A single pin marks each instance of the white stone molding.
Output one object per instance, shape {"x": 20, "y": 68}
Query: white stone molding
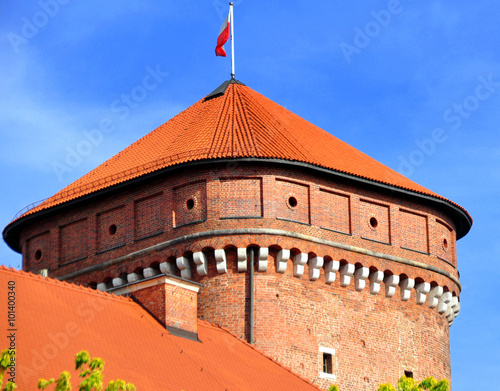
{"x": 376, "y": 279}
{"x": 262, "y": 259}
{"x": 330, "y": 269}
{"x": 133, "y": 277}
{"x": 391, "y": 282}
{"x": 434, "y": 295}
{"x": 167, "y": 268}
{"x": 346, "y": 272}
{"x": 150, "y": 272}
{"x": 315, "y": 265}
{"x": 298, "y": 264}
{"x": 102, "y": 286}
{"x": 360, "y": 276}
{"x": 183, "y": 265}
{"x": 220, "y": 258}
{"x": 200, "y": 260}
{"x": 421, "y": 291}
{"x": 406, "y": 286}
{"x": 119, "y": 281}
{"x": 242, "y": 259}
{"x": 282, "y": 260}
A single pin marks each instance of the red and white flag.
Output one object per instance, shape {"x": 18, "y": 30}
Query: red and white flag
{"x": 223, "y": 37}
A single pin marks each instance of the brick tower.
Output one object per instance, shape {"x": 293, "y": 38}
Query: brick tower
{"x": 241, "y": 213}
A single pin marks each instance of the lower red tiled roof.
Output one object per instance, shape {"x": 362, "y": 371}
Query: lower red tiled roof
{"x": 54, "y": 320}
{"x": 238, "y": 123}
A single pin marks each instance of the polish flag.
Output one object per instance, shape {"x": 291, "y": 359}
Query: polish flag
{"x": 223, "y": 37}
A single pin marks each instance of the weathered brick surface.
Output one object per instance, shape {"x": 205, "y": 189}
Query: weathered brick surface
{"x": 375, "y": 338}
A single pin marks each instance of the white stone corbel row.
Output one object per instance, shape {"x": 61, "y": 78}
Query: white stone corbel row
{"x": 330, "y": 269}
{"x": 445, "y": 302}
{"x": 406, "y": 286}
{"x": 282, "y": 260}
{"x": 262, "y": 255}
{"x": 346, "y": 272}
{"x": 183, "y": 265}
{"x": 421, "y": 291}
{"x": 242, "y": 259}
{"x": 315, "y": 265}
{"x": 220, "y": 258}
{"x": 376, "y": 278}
{"x": 360, "y": 276}
{"x": 200, "y": 260}
{"x": 298, "y": 264}
{"x": 391, "y": 282}
{"x": 434, "y": 294}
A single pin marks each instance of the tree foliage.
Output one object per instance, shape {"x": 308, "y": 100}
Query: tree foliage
{"x": 408, "y": 384}
{"x": 91, "y": 374}
{"x": 6, "y": 358}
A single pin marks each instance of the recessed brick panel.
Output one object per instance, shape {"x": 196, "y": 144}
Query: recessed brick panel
{"x": 374, "y": 222}
{"x": 413, "y": 231}
{"x": 149, "y": 216}
{"x": 73, "y": 239}
{"x": 241, "y": 197}
{"x": 292, "y": 201}
{"x": 111, "y": 229}
{"x": 335, "y": 211}
{"x": 190, "y": 203}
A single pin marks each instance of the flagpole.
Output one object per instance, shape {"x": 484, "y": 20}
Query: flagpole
{"x": 232, "y": 39}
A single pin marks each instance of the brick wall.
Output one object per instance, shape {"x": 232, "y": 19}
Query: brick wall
{"x": 375, "y": 338}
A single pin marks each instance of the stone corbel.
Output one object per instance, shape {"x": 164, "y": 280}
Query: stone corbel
{"x": 281, "y": 260}
{"x": 376, "y": 279}
{"x": 330, "y": 269}
{"x": 262, "y": 259}
{"x": 298, "y": 264}
{"x": 346, "y": 272}
{"x": 434, "y": 295}
{"x": 242, "y": 260}
{"x": 360, "y": 276}
{"x": 406, "y": 286}
{"x": 200, "y": 260}
{"x": 391, "y": 282}
{"x": 421, "y": 291}
{"x": 183, "y": 265}
{"x": 315, "y": 265}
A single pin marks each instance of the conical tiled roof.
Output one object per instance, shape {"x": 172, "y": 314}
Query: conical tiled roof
{"x": 234, "y": 122}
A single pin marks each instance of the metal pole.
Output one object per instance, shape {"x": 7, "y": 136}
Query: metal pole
{"x": 250, "y": 304}
{"x": 232, "y": 39}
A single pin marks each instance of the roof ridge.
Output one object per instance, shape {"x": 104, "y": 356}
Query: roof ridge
{"x": 65, "y": 284}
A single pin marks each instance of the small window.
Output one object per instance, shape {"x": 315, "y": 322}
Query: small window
{"x": 327, "y": 355}
{"x": 409, "y": 374}
{"x": 327, "y": 363}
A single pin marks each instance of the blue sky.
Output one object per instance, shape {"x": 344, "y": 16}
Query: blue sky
{"x": 416, "y": 85}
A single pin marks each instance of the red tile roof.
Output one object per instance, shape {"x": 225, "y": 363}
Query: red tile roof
{"x": 54, "y": 320}
{"x": 238, "y": 123}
